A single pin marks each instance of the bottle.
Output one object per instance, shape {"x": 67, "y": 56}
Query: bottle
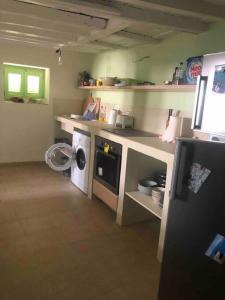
{"x": 169, "y": 115}
{"x": 102, "y": 113}
{"x": 181, "y": 73}
{"x": 176, "y": 76}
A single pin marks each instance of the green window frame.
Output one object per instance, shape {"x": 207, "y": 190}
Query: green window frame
{"x": 24, "y": 73}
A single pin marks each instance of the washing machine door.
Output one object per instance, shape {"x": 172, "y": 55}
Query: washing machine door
{"x": 60, "y": 156}
{"x": 81, "y": 159}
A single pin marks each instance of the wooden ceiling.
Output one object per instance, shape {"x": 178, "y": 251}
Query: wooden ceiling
{"x": 93, "y": 26}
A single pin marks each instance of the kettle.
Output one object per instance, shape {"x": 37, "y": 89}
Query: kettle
{"x": 125, "y": 121}
{"x": 113, "y": 116}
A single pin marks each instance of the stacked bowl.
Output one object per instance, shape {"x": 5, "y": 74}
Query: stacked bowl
{"x": 158, "y": 195}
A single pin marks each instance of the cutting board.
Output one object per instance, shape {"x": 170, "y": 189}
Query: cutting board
{"x": 89, "y": 100}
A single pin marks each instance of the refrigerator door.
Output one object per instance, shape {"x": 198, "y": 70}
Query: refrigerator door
{"x": 213, "y": 120}
{"x": 195, "y": 219}
{"x": 60, "y": 156}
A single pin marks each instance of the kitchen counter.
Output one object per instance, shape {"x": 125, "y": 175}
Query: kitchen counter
{"x": 151, "y": 147}
{"x": 89, "y": 126}
{"x": 163, "y": 151}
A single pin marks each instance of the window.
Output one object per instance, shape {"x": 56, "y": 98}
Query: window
{"x": 24, "y": 82}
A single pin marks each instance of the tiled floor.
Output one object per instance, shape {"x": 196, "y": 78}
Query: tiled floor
{"x": 57, "y": 244}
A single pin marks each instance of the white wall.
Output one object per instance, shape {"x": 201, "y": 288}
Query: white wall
{"x": 27, "y": 130}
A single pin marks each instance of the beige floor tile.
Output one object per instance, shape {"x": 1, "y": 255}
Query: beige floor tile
{"x": 57, "y": 244}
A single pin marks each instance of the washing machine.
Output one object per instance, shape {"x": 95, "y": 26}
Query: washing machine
{"x": 80, "y": 165}
{"x": 62, "y": 156}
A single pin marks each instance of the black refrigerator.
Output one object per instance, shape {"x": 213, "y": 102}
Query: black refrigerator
{"x": 193, "y": 265}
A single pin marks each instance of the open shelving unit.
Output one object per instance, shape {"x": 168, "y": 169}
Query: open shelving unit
{"x": 146, "y": 88}
{"x": 139, "y": 207}
{"x": 146, "y": 202}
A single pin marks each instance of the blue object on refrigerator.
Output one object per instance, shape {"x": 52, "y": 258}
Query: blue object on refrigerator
{"x": 193, "y": 69}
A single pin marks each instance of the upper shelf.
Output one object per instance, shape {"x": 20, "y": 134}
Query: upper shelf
{"x": 147, "y": 88}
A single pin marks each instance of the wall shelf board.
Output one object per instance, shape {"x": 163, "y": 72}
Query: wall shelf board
{"x": 141, "y": 88}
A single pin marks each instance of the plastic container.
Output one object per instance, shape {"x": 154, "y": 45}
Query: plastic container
{"x": 66, "y": 173}
{"x": 158, "y": 195}
{"x": 112, "y": 116}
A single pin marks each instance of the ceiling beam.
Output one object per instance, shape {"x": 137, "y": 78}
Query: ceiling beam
{"x": 48, "y": 14}
{"x": 31, "y": 35}
{"x": 116, "y": 9}
{"x": 178, "y": 23}
{"x": 17, "y": 34}
{"x": 47, "y": 44}
{"x": 136, "y": 36}
{"x": 29, "y": 22}
{"x": 31, "y": 41}
{"x": 200, "y": 8}
{"x": 37, "y": 14}
{"x": 114, "y": 25}
{"x": 85, "y": 7}
{"x": 98, "y": 18}
{"x": 19, "y": 30}
{"x": 149, "y": 15}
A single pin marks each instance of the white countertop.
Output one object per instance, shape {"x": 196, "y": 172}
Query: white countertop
{"x": 151, "y": 146}
{"x": 83, "y": 125}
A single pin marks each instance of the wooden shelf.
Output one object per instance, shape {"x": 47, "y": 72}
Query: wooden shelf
{"x": 146, "y": 202}
{"x": 147, "y": 88}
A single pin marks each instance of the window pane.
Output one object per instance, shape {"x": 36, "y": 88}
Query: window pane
{"x": 33, "y": 83}
{"x": 14, "y": 82}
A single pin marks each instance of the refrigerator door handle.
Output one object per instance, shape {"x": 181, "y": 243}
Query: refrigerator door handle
{"x": 199, "y": 102}
{"x": 178, "y": 173}
{"x": 181, "y": 168}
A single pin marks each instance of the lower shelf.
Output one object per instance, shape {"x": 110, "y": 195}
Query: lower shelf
{"x": 146, "y": 202}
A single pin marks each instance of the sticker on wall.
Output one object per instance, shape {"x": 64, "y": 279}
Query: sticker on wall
{"x": 216, "y": 250}
{"x": 198, "y": 175}
{"x": 100, "y": 171}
